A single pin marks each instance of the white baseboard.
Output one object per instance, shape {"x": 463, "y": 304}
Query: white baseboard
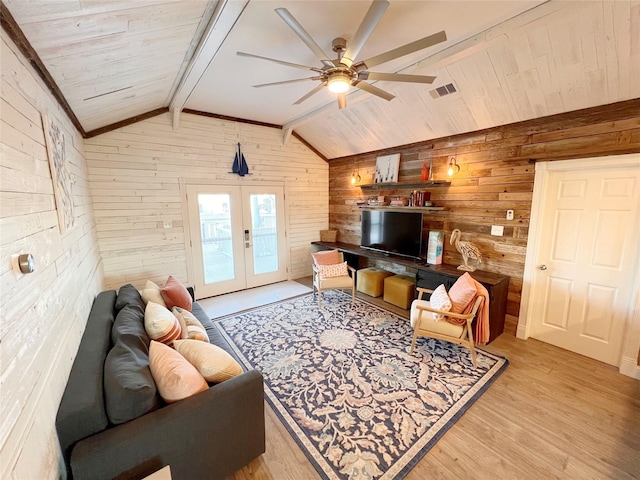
{"x": 521, "y": 332}
{"x": 630, "y": 367}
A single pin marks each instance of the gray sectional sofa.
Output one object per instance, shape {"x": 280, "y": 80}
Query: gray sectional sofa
{"x": 209, "y": 435}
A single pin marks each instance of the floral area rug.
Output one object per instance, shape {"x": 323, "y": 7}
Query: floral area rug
{"x": 341, "y": 379}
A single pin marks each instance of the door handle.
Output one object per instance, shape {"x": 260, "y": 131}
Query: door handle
{"x": 542, "y": 267}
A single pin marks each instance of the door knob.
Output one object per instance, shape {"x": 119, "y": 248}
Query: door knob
{"x": 542, "y": 267}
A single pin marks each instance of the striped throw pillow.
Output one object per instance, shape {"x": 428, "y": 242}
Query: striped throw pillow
{"x": 191, "y": 326}
{"x": 213, "y": 363}
{"x": 161, "y": 325}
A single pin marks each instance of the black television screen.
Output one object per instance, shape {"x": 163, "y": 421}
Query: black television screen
{"x": 397, "y": 233}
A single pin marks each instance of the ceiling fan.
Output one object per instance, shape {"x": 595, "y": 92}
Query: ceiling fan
{"x": 343, "y": 72}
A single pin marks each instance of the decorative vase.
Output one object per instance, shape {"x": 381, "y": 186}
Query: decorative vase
{"x": 424, "y": 176}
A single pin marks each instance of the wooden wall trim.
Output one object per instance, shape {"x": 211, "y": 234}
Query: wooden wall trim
{"x": 16, "y": 34}
{"x": 308, "y": 145}
{"x": 128, "y": 121}
{"x": 231, "y": 119}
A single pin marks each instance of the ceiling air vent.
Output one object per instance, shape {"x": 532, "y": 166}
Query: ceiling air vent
{"x": 444, "y": 90}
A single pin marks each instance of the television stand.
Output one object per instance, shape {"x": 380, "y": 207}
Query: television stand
{"x": 430, "y": 276}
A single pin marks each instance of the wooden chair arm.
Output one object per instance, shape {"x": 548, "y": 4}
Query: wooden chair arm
{"x": 423, "y": 290}
{"x": 468, "y": 316}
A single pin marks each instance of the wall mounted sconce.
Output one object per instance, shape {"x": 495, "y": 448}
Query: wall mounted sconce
{"x": 23, "y": 263}
{"x": 355, "y": 177}
{"x": 453, "y": 166}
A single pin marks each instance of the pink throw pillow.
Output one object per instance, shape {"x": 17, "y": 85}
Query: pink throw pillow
{"x": 175, "y": 377}
{"x": 327, "y": 257}
{"x": 175, "y": 294}
{"x": 462, "y": 293}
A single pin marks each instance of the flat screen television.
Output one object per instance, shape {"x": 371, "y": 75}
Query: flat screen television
{"x": 392, "y": 232}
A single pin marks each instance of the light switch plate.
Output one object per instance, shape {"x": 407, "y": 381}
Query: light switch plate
{"x": 509, "y": 214}
{"x": 497, "y": 230}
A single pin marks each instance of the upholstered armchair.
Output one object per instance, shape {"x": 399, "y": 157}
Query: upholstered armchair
{"x": 330, "y": 271}
{"x": 449, "y": 317}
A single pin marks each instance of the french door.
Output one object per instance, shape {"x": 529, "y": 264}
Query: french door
{"x": 237, "y": 237}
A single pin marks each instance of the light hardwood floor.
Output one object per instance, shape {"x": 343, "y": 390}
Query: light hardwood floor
{"x": 551, "y": 414}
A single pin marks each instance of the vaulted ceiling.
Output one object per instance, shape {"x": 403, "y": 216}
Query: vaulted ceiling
{"x": 508, "y": 61}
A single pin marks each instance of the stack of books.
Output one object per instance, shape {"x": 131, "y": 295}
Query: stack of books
{"x": 399, "y": 201}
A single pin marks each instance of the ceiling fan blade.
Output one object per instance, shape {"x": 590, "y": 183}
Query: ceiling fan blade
{"x": 396, "y": 77}
{"x": 284, "y": 82}
{"x": 342, "y": 101}
{"x": 367, "y": 87}
{"x": 369, "y": 22}
{"x": 406, "y": 49}
{"x": 281, "y": 62}
{"x": 304, "y": 36}
{"x": 312, "y": 92}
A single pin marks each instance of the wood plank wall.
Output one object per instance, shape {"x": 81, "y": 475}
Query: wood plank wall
{"x": 135, "y": 174}
{"x": 44, "y": 313}
{"x": 496, "y": 174}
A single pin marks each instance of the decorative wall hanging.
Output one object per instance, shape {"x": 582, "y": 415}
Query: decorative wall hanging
{"x": 60, "y": 175}
{"x": 387, "y": 168}
{"x": 240, "y": 163}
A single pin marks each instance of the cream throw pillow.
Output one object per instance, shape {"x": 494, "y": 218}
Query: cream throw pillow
{"x": 175, "y": 377}
{"x": 160, "y": 324}
{"x": 440, "y": 301}
{"x": 152, "y": 293}
{"x": 213, "y": 363}
{"x": 191, "y": 326}
{"x": 337, "y": 270}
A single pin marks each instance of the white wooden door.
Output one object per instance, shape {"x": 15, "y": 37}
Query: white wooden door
{"x": 237, "y": 237}
{"x": 586, "y": 263}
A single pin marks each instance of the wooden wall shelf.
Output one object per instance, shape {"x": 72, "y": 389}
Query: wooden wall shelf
{"x": 398, "y": 185}
{"x": 401, "y": 208}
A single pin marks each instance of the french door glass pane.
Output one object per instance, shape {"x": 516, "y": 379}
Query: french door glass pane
{"x": 217, "y": 245}
{"x": 265, "y": 233}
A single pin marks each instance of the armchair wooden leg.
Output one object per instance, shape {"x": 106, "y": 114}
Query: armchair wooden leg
{"x": 471, "y": 347}
{"x": 413, "y": 342}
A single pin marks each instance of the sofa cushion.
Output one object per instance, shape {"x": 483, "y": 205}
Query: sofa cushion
{"x": 128, "y": 295}
{"x": 129, "y": 388}
{"x": 130, "y": 321}
{"x": 82, "y": 411}
{"x": 213, "y": 363}
{"x": 175, "y": 377}
{"x": 151, "y": 293}
{"x": 175, "y": 294}
{"x": 190, "y": 325}
{"x": 161, "y": 324}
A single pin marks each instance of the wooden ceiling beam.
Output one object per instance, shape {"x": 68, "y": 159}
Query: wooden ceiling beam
{"x": 224, "y": 17}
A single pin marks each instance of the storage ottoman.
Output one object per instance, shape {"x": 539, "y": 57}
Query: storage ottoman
{"x": 371, "y": 281}
{"x": 400, "y": 290}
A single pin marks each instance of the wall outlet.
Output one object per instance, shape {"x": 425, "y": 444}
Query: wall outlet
{"x": 166, "y": 224}
{"x": 509, "y": 214}
{"x": 497, "y": 230}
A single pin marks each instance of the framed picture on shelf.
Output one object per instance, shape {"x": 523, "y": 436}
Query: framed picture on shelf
{"x": 387, "y": 167}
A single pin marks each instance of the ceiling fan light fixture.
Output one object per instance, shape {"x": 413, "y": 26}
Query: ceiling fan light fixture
{"x": 339, "y": 82}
